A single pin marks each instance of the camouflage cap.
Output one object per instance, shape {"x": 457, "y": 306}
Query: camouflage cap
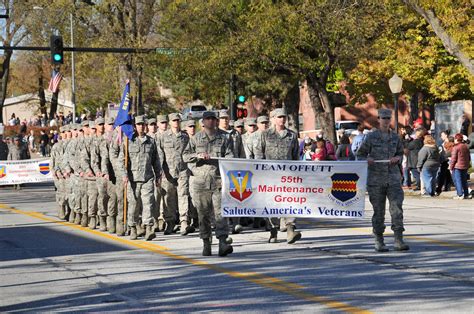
{"x": 85, "y": 123}
{"x": 151, "y": 121}
{"x": 190, "y": 123}
{"x": 262, "y": 119}
{"x": 75, "y": 126}
{"x": 93, "y": 124}
{"x": 140, "y": 120}
{"x": 162, "y": 118}
{"x": 110, "y": 120}
{"x": 174, "y": 116}
{"x": 385, "y": 113}
{"x": 99, "y": 120}
{"x": 239, "y": 123}
{"x": 279, "y": 112}
{"x": 209, "y": 114}
{"x": 250, "y": 121}
{"x": 231, "y": 123}
{"x": 223, "y": 114}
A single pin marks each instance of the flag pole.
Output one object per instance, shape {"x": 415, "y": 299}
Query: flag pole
{"x": 125, "y": 187}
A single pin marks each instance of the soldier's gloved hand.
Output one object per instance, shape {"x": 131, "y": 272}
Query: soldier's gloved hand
{"x": 394, "y": 160}
{"x": 370, "y": 161}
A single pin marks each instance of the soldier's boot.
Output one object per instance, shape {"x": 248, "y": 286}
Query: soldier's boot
{"x": 161, "y": 225}
{"x": 224, "y": 248}
{"x": 150, "y": 233}
{"x": 186, "y": 229}
{"x": 379, "y": 244}
{"x": 84, "y": 220}
{"x": 103, "y": 223}
{"x": 72, "y": 216}
{"x": 133, "y": 233}
{"x": 120, "y": 230}
{"x": 399, "y": 245}
{"x": 195, "y": 223}
{"x": 273, "y": 236}
{"x": 140, "y": 230}
{"x": 291, "y": 235}
{"x": 93, "y": 222}
{"x": 61, "y": 212}
{"x": 169, "y": 228}
{"x": 78, "y": 218}
{"x": 228, "y": 240}
{"x": 206, "y": 248}
{"x": 111, "y": 224}
{"x": 237, "y": 229}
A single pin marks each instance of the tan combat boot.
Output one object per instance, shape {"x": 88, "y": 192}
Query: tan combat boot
{"x": 186, "y": 229}
{"x": 120, "y": 230}
{"x": 72, "y": 216}
{"x": 291, "y": 235}
{"x": 224, "y": 248}
{"x": 84, "y": 220}
{"x": 78, "y": 218}
{"x": 111, "y": 224}
{"x": 273, "y": 235}
{"x": 93, "y": 222}
{"x": 150, "y": 233}
{"x": 61, "y": 212}
{"x": 399, "y": 245}
{"x": 103, "y": 223}
{"x": 206, "y": 248}
{"x": 379, "y": 244}
{"x": 133, "y": 233}
{"x": 140, "y": 230}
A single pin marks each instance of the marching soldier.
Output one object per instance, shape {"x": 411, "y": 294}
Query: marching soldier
{"x": 142, "y": 174}
{"x": 59, "y": 180}
{"x": 90, "y": 182}
{"x": 175, "y": 184}
{"x": 384, "y": 180}
{"x": 247, "y": 138}
{"x": 205, "y": 180}
{"x": 159, "y": 193}
{"x": 115, "y": 168}
{"x": 279, "y": 143}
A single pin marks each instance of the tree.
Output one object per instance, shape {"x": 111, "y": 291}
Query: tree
{"x": 452, "y": 23}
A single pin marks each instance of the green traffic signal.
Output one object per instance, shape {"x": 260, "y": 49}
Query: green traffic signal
{"x": 241, "y": 98}
{"x": 57, "y": 57}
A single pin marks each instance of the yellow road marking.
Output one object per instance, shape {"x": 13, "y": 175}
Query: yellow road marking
{"x": 273, "y": 283}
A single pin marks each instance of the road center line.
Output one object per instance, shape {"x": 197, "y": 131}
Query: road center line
{"x": 273, "y": 283}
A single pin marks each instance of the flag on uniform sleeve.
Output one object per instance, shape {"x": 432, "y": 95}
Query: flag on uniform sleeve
{"x": 124, "y": 119}
{"x": 56, "y": 78}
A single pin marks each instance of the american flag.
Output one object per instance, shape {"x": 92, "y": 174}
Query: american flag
{"x": 56, "y": 78}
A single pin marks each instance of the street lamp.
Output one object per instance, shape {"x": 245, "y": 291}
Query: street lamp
{"x": 395, "y": 84}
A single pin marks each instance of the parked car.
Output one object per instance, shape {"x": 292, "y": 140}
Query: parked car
{"x": 348, "y": 126}
{"x": 193, "y": 112}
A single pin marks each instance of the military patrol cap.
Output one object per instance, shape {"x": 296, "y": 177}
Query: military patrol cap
{"x": 223, "y": 114}
{"x": 209, "y": 114}
{"x": 67, "y": 128}
{"x": 151, "y": 121}
{"x": 75, "y": 126}
{"x": 110, "y": 120}
{"x": 239, "y": 123}
{"x": 385, "y": 113}
{"x": 61, "y": 129}
{"x": 139, "y": 119}
{"x": 93, "y": 124}
{"x": 231, "y": 123}
{"x": 191, "y": 123}
{"x": 279, "y": 112}
{"x": 162, "y": 118}
{"x": 262, "y": 119}
{"x": 250, "y": 121}
{"x": 85, "y": 123}
{"x": 99, "y": 120}
{"x": 174, "y": 116}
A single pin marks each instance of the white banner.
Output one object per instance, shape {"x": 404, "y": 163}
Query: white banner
{"x": 271, "y": 188}
{"x": 25, "y": 171}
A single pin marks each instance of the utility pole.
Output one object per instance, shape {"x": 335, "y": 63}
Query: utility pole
{"x": 73, "y": 73}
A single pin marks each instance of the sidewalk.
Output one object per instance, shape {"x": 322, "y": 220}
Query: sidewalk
{"x": 449, "y": 194}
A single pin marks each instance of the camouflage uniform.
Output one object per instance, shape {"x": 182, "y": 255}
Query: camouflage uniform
{"x": 115, "y": 171}
{"x": 284, "y": 145}
{"x": 384, "y": 181}
{"x": 175, "y": 183}
{"x": 73, "y": 166}
{"x": 90, "y": 181}
{"x": 56, "y": 155}
{"x": 142, "y": 171}
{"x": 98, "y": 162}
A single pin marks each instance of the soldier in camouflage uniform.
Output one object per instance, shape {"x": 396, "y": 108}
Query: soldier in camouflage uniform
{"x": 88, "y": 174}
{"x": 175, "y": 184}
{"x": 279, "y": 143}
{"x": 384, "y": 180}
{"x": 142, "y": 174}
{"x": 56, "y": 155}
{"x": 206, "y": 182}
{"x": 190, "y": 128}
{"x": 99, "y": 162}
{"x": 247, "y": 138}
{"x": 162, "y": 121}
{"x": 224, "y": 125}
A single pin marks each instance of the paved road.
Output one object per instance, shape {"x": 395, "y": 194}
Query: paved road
{"x": 47, "y": 265}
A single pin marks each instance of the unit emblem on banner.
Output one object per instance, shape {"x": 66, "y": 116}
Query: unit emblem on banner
{"x": 44, "y": 168}
{"x": 240, "y": 184}
{"x": 3, "y": 171}
{"x": 344, "y": 186}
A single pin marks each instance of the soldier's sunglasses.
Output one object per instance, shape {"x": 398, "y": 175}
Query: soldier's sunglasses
{"x": 385, "y": 118}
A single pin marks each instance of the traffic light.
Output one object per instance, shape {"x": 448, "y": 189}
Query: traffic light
{"x": 56, "y": 46}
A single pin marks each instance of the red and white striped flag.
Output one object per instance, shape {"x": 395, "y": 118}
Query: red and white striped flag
{"x": 56, "y": 78}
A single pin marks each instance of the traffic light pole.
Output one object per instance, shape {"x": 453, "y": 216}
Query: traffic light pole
{"x": 73, "y": 74}
{"x": 232, "y": 108}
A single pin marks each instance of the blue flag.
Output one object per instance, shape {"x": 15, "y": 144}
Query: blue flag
{"x": 124, "y": 119}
